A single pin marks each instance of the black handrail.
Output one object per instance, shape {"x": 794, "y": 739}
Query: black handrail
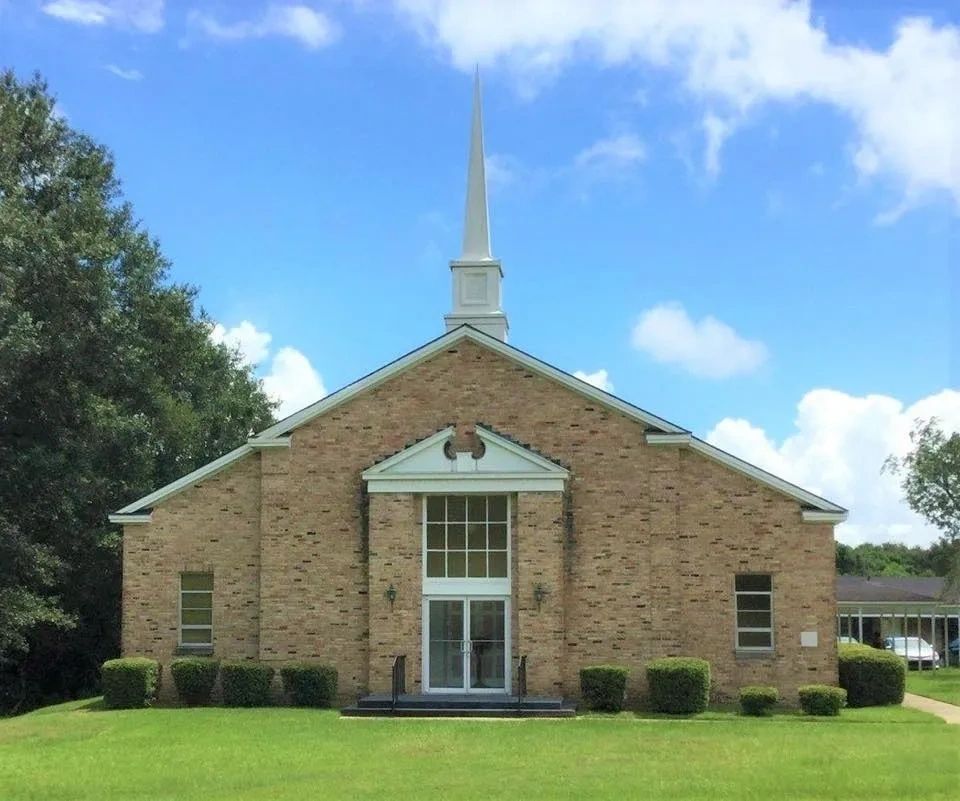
{"x": 521, "y": 680}
{"x": 399, "y": 679}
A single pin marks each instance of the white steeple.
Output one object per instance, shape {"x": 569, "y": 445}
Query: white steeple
{"x": 476, "y": 224}
{"x": 476, "y": 274}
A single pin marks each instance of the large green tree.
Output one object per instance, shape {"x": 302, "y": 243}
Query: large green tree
{"x": 930, "y": 478}
{"x": 109, "y": 387}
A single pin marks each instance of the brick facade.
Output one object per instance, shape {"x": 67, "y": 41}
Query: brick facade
{"x": 637, "y": 557}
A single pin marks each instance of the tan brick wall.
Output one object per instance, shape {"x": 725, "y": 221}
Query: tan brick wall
{"x": 657, "y": 534}
{"x": 211, "y": 527}
{"x": 395, "y": 545}
{"x": 538, "y": 559}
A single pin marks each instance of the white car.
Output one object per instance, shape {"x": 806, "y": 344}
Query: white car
{"x": 843, "y": 640}
{"x": 918, "y": 652}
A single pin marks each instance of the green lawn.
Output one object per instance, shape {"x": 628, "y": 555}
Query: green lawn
{"x": 943, "y": 684}
{"x": 76, "y": 751}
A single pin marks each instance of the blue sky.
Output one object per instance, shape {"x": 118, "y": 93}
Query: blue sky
{"x": 749, "y": 222}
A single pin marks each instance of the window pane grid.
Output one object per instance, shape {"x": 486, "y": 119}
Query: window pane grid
{"x": 754, "y": 611}
{"x": 196, "y": 609}
{"x": 466, "y": 536}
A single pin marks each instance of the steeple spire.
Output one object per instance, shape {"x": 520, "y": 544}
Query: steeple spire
{"x": 476, "y": 226}
{"x": 476, "y": 274}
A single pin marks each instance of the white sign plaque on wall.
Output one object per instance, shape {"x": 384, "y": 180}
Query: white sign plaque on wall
{"x": 808, "y": 639}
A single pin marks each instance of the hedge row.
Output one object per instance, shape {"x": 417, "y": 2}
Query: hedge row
{"x": 130, "y": 683}
{"x": 822, "y": 700}
{"x": 133, "y": 682}
{"x": 678, "y": 685}
{"x": 758, "y": 701}
{"x": 681, "y": 686}
{"x": 870, "y": 676}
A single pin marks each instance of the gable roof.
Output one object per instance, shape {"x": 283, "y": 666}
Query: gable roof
{"x": 277, "y": 434}
{"x": 466, "y": 332}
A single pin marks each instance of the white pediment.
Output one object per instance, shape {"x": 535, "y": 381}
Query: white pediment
{"x": 503, "y": 466}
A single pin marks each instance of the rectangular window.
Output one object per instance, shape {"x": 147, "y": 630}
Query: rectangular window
{"x": 754, "y": 592}
{"x": 196, "y": 609}
{"x": 466, "y": 536}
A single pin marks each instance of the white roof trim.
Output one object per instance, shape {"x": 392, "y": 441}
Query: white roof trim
{"x": 506, "y": 466}
{"x": 670, "y": 433}
{"x": 129, "y": 520}
{"x": 441, "y": 343}
{"x": 824, "y": 511}
{"x": 276, "y": 442}
{"x": 454, "y": 483}
{"x": 817, "y": 516}
{"x": 933, "y": 602}
{"x": 657, "y": 438}
{"x": 406, "y": 453}
{"x": 190, "y": 478}
{"x": 496, "y": 440}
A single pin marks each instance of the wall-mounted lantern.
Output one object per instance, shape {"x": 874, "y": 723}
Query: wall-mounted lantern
{"x": 539, "y": 593}
{"x": 391, "y": 594}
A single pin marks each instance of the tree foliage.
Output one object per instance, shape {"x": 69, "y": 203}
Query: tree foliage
{"x": 893, "y": 559}
{"x": 109, "y": 387}
{"x": 930, "y": 476}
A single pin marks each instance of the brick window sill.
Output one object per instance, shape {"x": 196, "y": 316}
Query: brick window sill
{"x": 193, "y": 650}
{"x": 767, "y": 654}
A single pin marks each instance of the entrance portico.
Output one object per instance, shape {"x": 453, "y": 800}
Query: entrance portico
{"x": 466, "y": 565}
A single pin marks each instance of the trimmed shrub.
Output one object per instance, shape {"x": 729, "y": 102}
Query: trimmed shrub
{"x": 130, "y": 683}
{"x": 822, "y": 700}
{"x": 604, "y": 687}
{"x": 758, "y": 701}
{"x": 870, "y": 676}
{"x": 245, "y": 683}
{"x": 309, "y": 684}
{"x": 679, "y": 685}
{"x": 194, "y": 677}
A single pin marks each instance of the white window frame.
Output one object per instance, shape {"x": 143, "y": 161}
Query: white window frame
{"x": 181, "y": 626}
{"x": 466, "y": 586}
{"x": 737, "y": 628}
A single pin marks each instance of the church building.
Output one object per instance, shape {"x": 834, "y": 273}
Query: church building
{"x": 468, "y": 505}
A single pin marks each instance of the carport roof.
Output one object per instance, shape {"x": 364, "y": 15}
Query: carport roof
{"x": 889, "y": 588}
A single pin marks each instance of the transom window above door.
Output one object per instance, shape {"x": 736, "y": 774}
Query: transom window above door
{"x": 467, "y": 536}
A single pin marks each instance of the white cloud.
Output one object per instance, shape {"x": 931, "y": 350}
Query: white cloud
{"x": 837, "y": 450}
{"x": 253, "y": 344}
{"x": 141, "y": 15}
{"x": 126, "y": 74}
{"x": 306, "y": 25}
{"x": 613, "y": 153}
{"x": 501, "y": 169}
{"x": 734, "y": 57}
{"x": 293, "y": 382}
{"x": 706, "y": 348}
{"x": 598, "y": 378}
{"x": 716, "y": 130}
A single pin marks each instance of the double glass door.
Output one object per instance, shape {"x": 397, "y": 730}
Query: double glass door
{"x": 467, "y": 645}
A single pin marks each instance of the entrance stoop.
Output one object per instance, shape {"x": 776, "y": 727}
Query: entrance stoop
{"x": 461, "y": 705}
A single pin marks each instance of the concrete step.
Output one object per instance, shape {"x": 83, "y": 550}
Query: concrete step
{"x": 460, "y": 705}
{"x": 457, "y": 712}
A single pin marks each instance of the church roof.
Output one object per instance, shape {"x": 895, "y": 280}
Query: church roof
{"x": 659, "y": 431}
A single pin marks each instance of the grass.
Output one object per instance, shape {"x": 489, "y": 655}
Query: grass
{"x": 943, "y": 684}
{"x": 77, "y": 751}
